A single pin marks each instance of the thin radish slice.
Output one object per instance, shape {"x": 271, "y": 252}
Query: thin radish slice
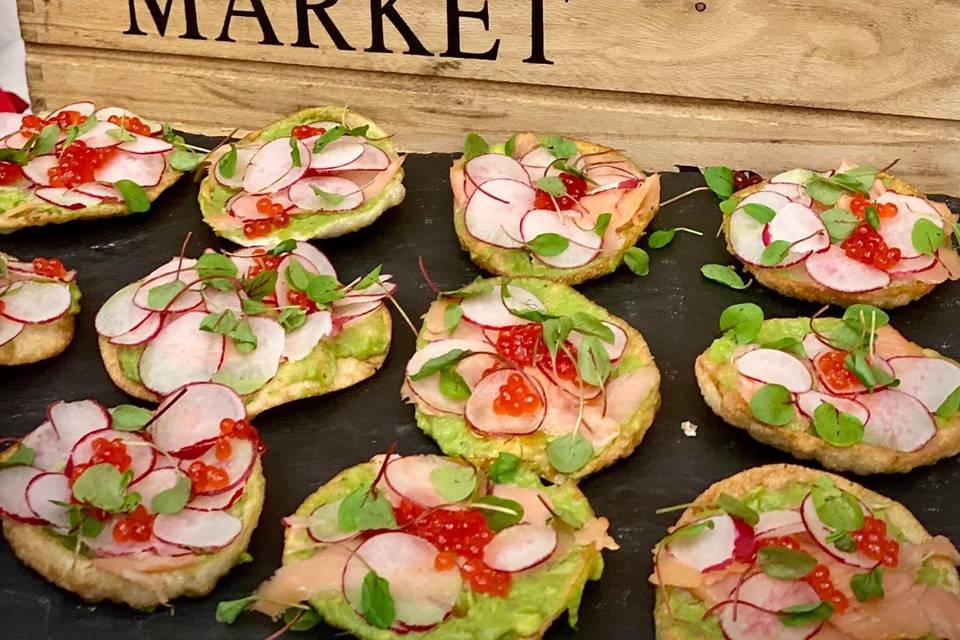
{"x": 773, "y": 366}
{"x": 216, "y": 300}
{"x": 43, "y": 491}
{"x": 301, "y": 341}
{"x": 272, "y": 167}
{"x": 428, "y": 389}
{"x": 834, "y": 270}
{"x": 929, "y": 380}
{"x": 583, "y": 244}
{"x": 244, "y": 205}
{"x": 423, "y": 595}
{"x": 238, "y": 467}
{"x": 372, "y": 159}
{"x": 821, "y": 532}
{"x": 794, "y": 192}
{"x": 897, "y": 421}
{"x": 16, "y": 141}
{"x": 483, "y": 418}
{"x": 217, "y": 502}
{"x": 375, "y": 292}
{"x": 194, "y": 418}
{"x": 246, "y": 372}
{"x": 349, "y": 312}
{"x": 897, "y": 231}
{"x": 244, "y": 155}
{"x": 173, "y": 271}
{"x": 180, "y": 354}
{"x": 74, "y": 420}
{"x": 105, "y": 113}
{"x": 752, "y": 612}
{"x": 13, "y": 493}
{"x": 337, "y": 154}
{"x": 809, "y": 402}
{"x": 145, "y": 145}
{"x": 539, "y": 163}
{"x": 145, "y": 170}
{"x": 324, "y": 525}
{"x": 66, "y": 198}
{"x": 104, "y": 545}
{"x": 913, "y": 265}
{"x": 36, "y": 170}
{"x": 494, "y": 212}
{"x": 119, "y": 315}
{"x": 84, "y": 108}
{"x": 154, "y": 483}
{"x": 778, "y": 522}
{"x": 142, "y": 455}
{"x": 520, "y": 547}
{"x": 102, "y": 190}
{"x": 410, "y": 477}
{"x": 317, "y": 257}
{"x": 343, "y": 194}
{"x": 99, "y": 136}
{"x": 9, "y": 329}
{"x": 711, "y": 549}
{"x": 246, "y": 258}
{"x": 490, "y": 310}
{"x": 767, "y": 198}
{"x": 205, "y": 530}
{"x": 50, "y": 453}
{"x": 746, "y": 237}
{"x": 471, "y": 369}
{"x": 491, "y": 166}
{"x": 793, "y": 176}
{"x": 614, "y": 350}
{"x": 793, "y": 223}
{"x": 813, "y": 346}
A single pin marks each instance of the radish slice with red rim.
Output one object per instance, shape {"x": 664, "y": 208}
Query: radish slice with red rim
{"x": 746, "y": 232}
{"x": 43, "y": 491}
{"x": 301, "y": 342}
{"x": 348, "y": 312}
{"x": 244, "y": 155}
{"x": 752, "y": 611}
{"x": 338, "y": 153}
{"x": 9, "y": 329}
{"x": 238, "y": 466}
{"x": 491, "y": 166}
{"x": 428, "y": 389}
{"x": 794, "y": 192}
{"x": 181, "y": 354}
{"x": 190, "y": 298}
{"x": 142, "y": 333}
{"x": 142, "y": 454}
{"x": 539, "y": 163}
{"x": 614, "y": 350}
{"x": 813, "y": 346}
{"x": 36, "y": 170}
{"x": 913, "y": 265}
{"x": 372, "y": 159}
{"x": 66, "y": 198}
{"x": 102, "y": 190}
{"x": 929, "y": 380}
{"x": 800, "y": 226}
{"x": 897, "y": 421}
{"x": 410, "y": 477}
{"x": 105, "y": 113}
{"x": 490, "y": 310}
{"x": 50, "y": 453}
{"x": 104, "y": 545}
{"x": 145, "y": 170}
{"x": 194, "y": 417}
{"x": 216, "y": 502}
{"x": 217, "y": 301}
{"x": 583, "y": 245}
{"x": 520, "y": 547}
{"x": 483, "y": 418}
{"x": 809, "y": 401}
{"x": 834, "y": 270}
{"x": 571, "y": 387}
{"x": 897, "y": 231}
{"x": 99, "y": 137}
{"x": 713, "y": 549}
{"x": 13, "y": 493}
{"x": 246, "y": 372}
{"x": 244, "y": 205}
{"x": 154, "y": 483}
{"x": 10, "y": 123}
{"x": 316, "y": 257}
{"x": 309, "y": 194}
{"x": 821, "y": 533}
{"x": 145, "y": 145}
{"x": 780, "y": 522}
{"x": 495, "y": 210}
{"x": 204, "y": 530}
{"x": 83, "y": 107}
{"x": 74, "y": 420}
{"x": 324, "y": 527}
{"x": 773, "y": 366}
{"x": 423, "y": 595}
{"x": 16, "y": 141}
{"x": 271, "y": 167}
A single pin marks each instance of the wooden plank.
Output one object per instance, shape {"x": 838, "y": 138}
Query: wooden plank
{"x": 433, "y": 114}
{"x": 901, "y": 58}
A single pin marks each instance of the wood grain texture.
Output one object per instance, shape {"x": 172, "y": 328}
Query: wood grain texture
{"x": 433, "y": 114}
{"x": 899, "y": 58}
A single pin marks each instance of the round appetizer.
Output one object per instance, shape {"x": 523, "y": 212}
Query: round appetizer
{"x": 790, "y": 553}
{"x": 80, "y": 162}
{"x": 319, "y": 173}
{"x": 551, "y": 207}
{"x": 429, "y": 547}
{"x": 39, "y": 303}
{"x": 132, "y": 505}
{"x": 274, "y": 325}
{"x": 850, "y": 392}
{"x": 854, "y": 235}
{"x": 534, "y": 369}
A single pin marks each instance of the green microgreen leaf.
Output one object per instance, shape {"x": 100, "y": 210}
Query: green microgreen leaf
{"x": 548, "y": 244}
{"x": 927, "y": 237}
{"x": 376, "y": 603}
{"x": 637, "y": 260}
{"x": 364, "y": 511}
{"x": 452, "y": 384}
{"x": 803, "y": 614}
{"x": 370, "y": 279}
{"x": 454, "y": 482}
{"x": 742, "y": 322}
{"x": 218, "y": 270}
{"x": 23, "y": 456}
{"x": 950, "y": 406}
{"x": 720, "y": 181}
{"x": 774, "y": 253}
{"x": 287, "y": 246}
{"x": 836, "y": 427}
{"x": 559, "y": 146}
{"x": 327, "y": 196}
{"x": 301, "y": 619}
{"x": 474, "y": 145}
{"x": 297, "y": 275}
{"x": 725, "y": 275}
{"x": 499, "y": 513}
{"x": 788, "y": 344}
{"x": 593, "y": 361}
{"x": 869, "y": 374}
{"x": 510, "y": 146}
{"x": 759, "y": 212}
{"x": 295, "y": 152}
{"x": 504, "y": 469}
{"x": 569, "y": 453}
{"x": 160, "y": 296}
{"x": 737, "y": 509}
{"x": 254, "y": 307}
{"x": 840, "y": 223}
{"x": 74, "y": 131}
{"x": 324, "y": 289}
{"x": 185, "y": 159}
{"x": 661, "y": 238}
{"x": 773, "y": 405}
{"x": 134, "y": 195}
{"x": 729, "y": 205}
{"x": 260, "y": 285}
{"x": 823, "y": 190}
{"x": 227, "y": 164}
{"x": 872, "y": 217}
{"x": 327, "y": 137}
{"x": 838, "y": 510}
{"x": 104, "y": 487}
{"x": 603, "y": 221}
{"x": 229, "y": 610}
{"x": 128, "y": 417}
{"x": 452, "y": 314}
{"x": 292, "y": 318}
{"x": 435, "y": 365}
{"x": 785, "y": 564}
{"x": 868, "y": 585}
{"x": 47, "y": 140}
{"x": 174, "y": 499}
{"x": 552, "y": 185}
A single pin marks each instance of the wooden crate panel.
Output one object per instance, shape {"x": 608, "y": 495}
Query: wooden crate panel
{"x": 895, "y": 57}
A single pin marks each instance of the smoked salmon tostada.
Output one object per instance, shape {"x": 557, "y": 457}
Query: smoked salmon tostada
{"x": 850, "y": 392}
{"x": 426, "y": 547}
{"x": 550, "y": 207}
{"x": 534, "y": 369}
{"x": 274, "y": 325}
{"x": 79, "y": 162}
{"x": 133, "y": 505}
{"x": 854, "y": 235}
{"x": 790, "y": 553}
{"x": 39, "y": 303}
{"x": 318, "y": 173}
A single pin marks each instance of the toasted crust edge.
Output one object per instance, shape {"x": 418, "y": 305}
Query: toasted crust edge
{"x": 137, "y": 589}
{"x": 38, "y": 342}
{"x": 350, "y": 371}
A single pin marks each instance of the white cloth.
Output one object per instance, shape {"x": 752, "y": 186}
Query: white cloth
{"x": 13, "y": 73}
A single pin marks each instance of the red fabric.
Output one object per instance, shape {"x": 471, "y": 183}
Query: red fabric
{"x": 11, "y": 102}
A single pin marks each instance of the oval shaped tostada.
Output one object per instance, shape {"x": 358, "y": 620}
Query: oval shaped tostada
{"x": 133, "y": 505}
{"x": 850, "y": 392}
{"x": 550, "y": 207}
{"x": 430, "y": 547}
{"x": 855, "y": 235}
{"x": 318, "y": 173}
{"x": 534, "y": 369}
{"x": 39, "y": 303}
{"x": 274, "y": 325}
{"x": 787, "y": 552}
{"x": 81, "y": 162}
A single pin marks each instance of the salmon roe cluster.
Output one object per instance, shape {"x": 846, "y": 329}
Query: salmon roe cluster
{"x": 304, "y": 131}
{"x": 77, "y": 164}
{"x": 523, "y": 345}
{"x": 865, "y": 245}
{"x": 873, "y": 542}
{"x": 820, "y": 580}
{"x": 33, "y": 124}
{"x": 10, "y": 173}
{"x": 262, "y": 261}
{"x": 576, "y": 189}
{"x": 460, "y": 536}
{"x": 831, "y": 367}
{"x": 302, "y": 300}
{"x": 859, "y": 206}
{"x": 135, "y": 527}
{"x": 132, "y": 124}
{"x": 516, "y": 398}
{"x": 105, "y": 452}
{"x": 236, "y": 429}
{"x": 205, "y": 478}
{"x": 277, "y": 218}
{"x": 51, "y": 268}
{"x": 786, "y": 542}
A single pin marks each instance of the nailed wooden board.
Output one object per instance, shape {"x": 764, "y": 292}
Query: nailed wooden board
{"x": 433, "y": 114}
{"x": 901, "y": 59}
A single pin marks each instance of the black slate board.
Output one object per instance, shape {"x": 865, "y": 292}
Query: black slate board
{"x": 311, "y": 440}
